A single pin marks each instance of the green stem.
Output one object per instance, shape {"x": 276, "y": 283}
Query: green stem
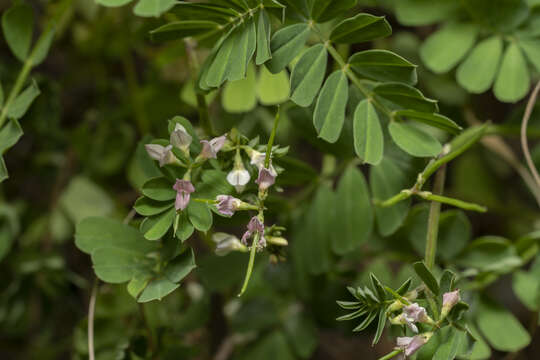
{"x": 454, "y": 202}
{"x": 392, "y": 354}
{"x": 252, "y": 254}
{"x": 271, "y": 140}
{"x": 29, "y": 63}
{"x": 433, "y": 220}
{"x": 403, "y": 195}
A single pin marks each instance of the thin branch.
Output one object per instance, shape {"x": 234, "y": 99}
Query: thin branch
{"x": 524, "y": 142}
{"x": 433, "y": 220}
{"x": 91, "y": 312}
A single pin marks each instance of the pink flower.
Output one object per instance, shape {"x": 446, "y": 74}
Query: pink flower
{"x": 417, "y": 313}
{"x": 183, "y": 190}
{"x": 266, "y": 178}
{"x": 254, "y": 226}
{"x": 410, "y": 345}
{"x": 450, "y": 299}
{"x": 227, "y": 204}
{"x": 212, "y": 147}
{"x": 163, "y": 154}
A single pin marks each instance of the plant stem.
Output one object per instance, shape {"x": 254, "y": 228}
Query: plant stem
{"x": 151, "y": 342}
{"x": 271, "y": 140}
{"x": 524, "y": 143}
{"x": 91, "y": 312}
{"x": 391, "y": 355}
{"x": 454, "y": 202}
{"x": 433, "y": 220}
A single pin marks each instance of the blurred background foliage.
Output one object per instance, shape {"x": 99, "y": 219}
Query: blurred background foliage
{"x": 105, "y": 86}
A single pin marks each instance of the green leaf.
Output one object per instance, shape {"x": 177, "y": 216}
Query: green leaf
{"x": 245, "y": 43}
{"x": 3, "y": 170}
{"x": 361, "y": 28}
{"x": 427, "y": 277}
{"x": 23, "y": 101}
{"x": 383, "y": 65}
{"x": 218, "y": 69}
{"x": 155, "y": 227}
{"x": 93, "y": 233}
{"x": 240, "y": 96}
{"x": 148, "y": 207}
{"x": 326, "y": 10}
{"x": 181, "y": 29}
{"x": 490, "y": 254}
{"x": 184, "y": 229}
{"x": 272, "y": 89}
{"x": 380, "y": 326}
{"x": 317, "y": 237}
{"x": 181, "y": 266}
{"x": 368, "y": 135}
{"x": 402, "y": 96}
{"x": 286, "y": 44}
{"x": 83, "y": 198}
{"x": 329, "y": 113}
{"x": 153, "y": 8}
{"x": 159, "y": 189}
{"x": 414, "y": 141}
{"x": 9, "y": 135}
{"x": 513, "y": 81}
{"x": 386, "y": 180}
{"x": 531, "y": 48}
{"x": 41, "y": 49}
{"x": 17, "y": 24}
{"x": 445, "y": 48}
{"x": 379, "y": 288}
{"x": 477, "y": 72}
{"x": 431, "y": 119}
{"x": 264, "y": 32}
{"x": 424, "y": 12}
{"x": 199, "y": 215}
{"x": 454, "y": 233}
{"x": 526, "y": 287}
{"x": 115, "y": 265}
{"x": 157, "y": 289}
{"x": 500, "y": 328}
{"x": 308, "y": 75}
{"x": 354, "y": 216}
{"x": 450, "y": 345}
{"x": 505, "y": 16}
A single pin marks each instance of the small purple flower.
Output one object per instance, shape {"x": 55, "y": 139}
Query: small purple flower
{"x": 254, "y": 226}
{"x": 183, "y": 190}
{"x": 410, "y": 345}
{"x": 212, "y": 147}
{"x": 227, "y": 204}
{"x": 163, "y": 154}
{"x": 416, "y": 313}
{"x": 450, "y": 299}
{"x": 266, "y": 178}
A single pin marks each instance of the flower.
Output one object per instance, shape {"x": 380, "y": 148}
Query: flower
{"x": 417, "y": 313}
{"x": 450, "y": 299}
{"x": 212, "y": 147}
{"x": 258, "y": 158}
{"x": 180, "y": 138}
{"x": 227, "y": 204}
{"x": 163, "y": 154}
{"x": 254, "y": 226}
{"x": 238, "y": 178}
{"x": 402, "y": 319}
{"x": 183, "y": 190}
{"x": 266, "y": 178}
{"x": 227, "y": 243}
{"x": 410, "y": 345}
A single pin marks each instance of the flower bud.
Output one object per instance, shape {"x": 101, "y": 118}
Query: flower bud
{"x": 450, "y": 299}
{"x": 180, "y": 138}
{"x": 395, "y": 306}
{"x": 278, "y": 241}
{"x": 227, "y": 243}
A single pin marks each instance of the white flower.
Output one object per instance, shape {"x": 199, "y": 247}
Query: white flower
{"x": 180, "y": 138}
{"x": 227, "y": 243}
{"x": 238, "y": 178}
{"x": 258, "y": 158}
